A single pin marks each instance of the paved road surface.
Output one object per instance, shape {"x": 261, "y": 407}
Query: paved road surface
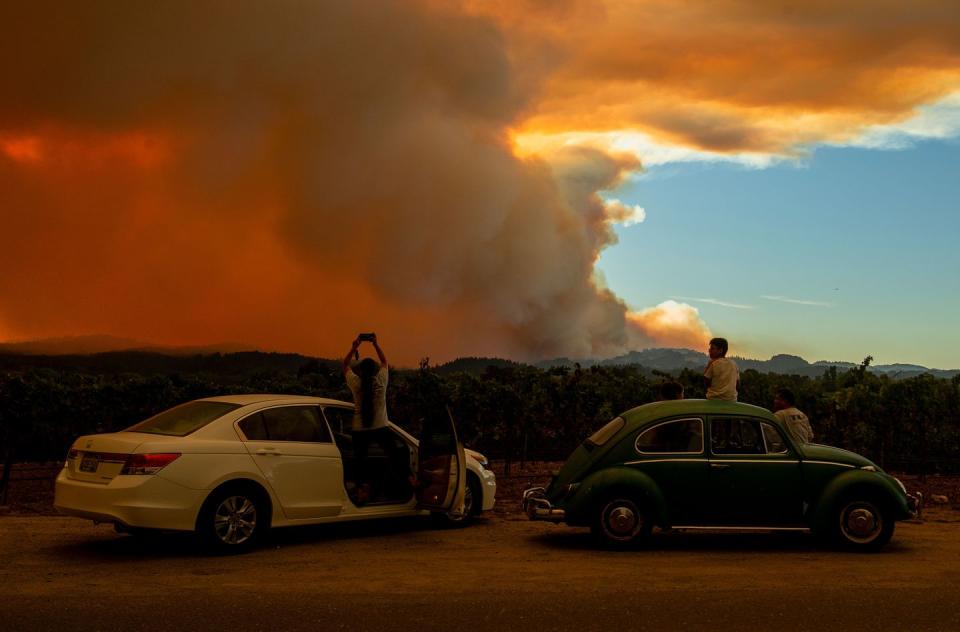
{"x": 503, "y": 573}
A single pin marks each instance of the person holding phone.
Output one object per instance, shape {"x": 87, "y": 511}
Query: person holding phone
{"x": 367, "y": 380}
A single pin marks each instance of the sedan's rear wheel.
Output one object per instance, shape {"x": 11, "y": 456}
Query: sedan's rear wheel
{"x": 620, "y": 521}
{"x": 863, "y": 524}
{"x": 232, "y": 519}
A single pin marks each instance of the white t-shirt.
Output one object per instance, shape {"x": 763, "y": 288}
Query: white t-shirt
{"x": 723, "y": 376}
{"x": 355, "y": 383}
{"x": 797, "y": 423}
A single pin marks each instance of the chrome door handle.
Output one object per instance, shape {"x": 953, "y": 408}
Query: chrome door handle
{"x": 268, "y": 452}
{"x": 719, "y": 466}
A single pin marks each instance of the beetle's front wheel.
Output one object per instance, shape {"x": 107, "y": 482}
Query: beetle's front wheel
{"x": 863, "y": 524}
{"x": 620, "y": 521}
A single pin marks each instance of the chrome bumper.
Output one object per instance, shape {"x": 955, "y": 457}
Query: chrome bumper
{"x": 537, "y": 507}
{"x": 915, "y": 504}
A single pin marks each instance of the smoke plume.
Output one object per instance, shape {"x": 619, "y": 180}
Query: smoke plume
{"x": 288, "y": 174}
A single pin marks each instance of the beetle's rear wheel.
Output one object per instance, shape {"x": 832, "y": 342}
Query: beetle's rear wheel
{"x": 620, "y": 521}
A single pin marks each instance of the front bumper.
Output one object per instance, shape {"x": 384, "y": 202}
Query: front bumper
{"x": 915, "y": 504}
{"x": 537, "y": 507}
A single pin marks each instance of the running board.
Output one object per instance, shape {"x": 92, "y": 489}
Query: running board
{"x": 734, "y": 528}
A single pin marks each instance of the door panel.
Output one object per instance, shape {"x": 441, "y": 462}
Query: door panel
{"x": 441, "y": 465}
{"x": 752, "y": 485}
{"x": 292, "y": 447}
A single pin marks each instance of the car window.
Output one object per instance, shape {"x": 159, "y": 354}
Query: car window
{"x": 340, "y": 419}
{"x": 734, "y": 435}
{"x": 680, "y": 436}
{"x": 289, "y": 423}
{"x": 603, "y": 435}
{"x": 181, "y": 420}
{"x": 773, "y": 438}
{"x": 253, "y": 428}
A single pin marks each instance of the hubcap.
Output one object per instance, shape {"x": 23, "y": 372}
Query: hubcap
{"x": 235, "y": 520}
{"x": 861, "y": 522}
{"x": 622, "y": 520}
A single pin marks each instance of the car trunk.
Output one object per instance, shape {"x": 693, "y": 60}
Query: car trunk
{"x": 99, "y": 458}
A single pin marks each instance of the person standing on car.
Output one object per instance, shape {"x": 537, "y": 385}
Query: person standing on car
{"x": 367, "y": 380}
{"x": 795, "y": 421}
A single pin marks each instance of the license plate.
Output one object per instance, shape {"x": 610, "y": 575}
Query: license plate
{"x": 89, "y": 463}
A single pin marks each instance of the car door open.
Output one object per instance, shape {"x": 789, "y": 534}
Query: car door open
{"x": 441, "y": 465}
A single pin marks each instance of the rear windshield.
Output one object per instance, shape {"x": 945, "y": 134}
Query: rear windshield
{"x": 181, "y": 420}
{"x": 603, "y": 435}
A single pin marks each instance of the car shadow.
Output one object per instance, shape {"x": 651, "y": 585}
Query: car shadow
{"x": 708, "y": 541}
{"x": 172, "y": 545}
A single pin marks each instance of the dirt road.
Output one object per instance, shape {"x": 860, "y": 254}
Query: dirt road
{"x": 505, "y": 572}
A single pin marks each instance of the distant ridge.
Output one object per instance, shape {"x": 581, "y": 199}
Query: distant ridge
{"x": 103, "y": 350}
{"x": 87, "y": 345}
{"x": 674, "y": 360}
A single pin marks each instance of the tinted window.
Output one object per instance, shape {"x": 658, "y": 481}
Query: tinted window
{"x": 736, "y": 436}
{"x": 340, "y": 419}
{"x": 181, "y": 420}
{"x": 293, "y": 423}
{"x": 253, "y": 428}
{"x": 683, "y": 436}
{"x": 603, "y": 435}
{"x": 775, "y": 442}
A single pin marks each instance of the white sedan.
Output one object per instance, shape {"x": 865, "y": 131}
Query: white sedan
{"x": 229, "y": 468}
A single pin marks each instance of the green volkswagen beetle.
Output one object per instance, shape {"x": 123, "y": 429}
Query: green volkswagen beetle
{"x": 707, "y": 464}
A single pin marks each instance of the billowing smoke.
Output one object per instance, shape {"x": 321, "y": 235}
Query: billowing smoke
{"x": 287, "y": 174}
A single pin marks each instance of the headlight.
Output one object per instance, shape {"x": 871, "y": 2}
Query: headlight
{"x": 900, "y": 483}
{"x": 482, "y": 460}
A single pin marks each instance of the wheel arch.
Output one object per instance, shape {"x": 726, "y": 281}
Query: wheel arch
{"x": 598, "y": 485}
{"x": 241, "y": 483}
{"x": 852, "y": 484}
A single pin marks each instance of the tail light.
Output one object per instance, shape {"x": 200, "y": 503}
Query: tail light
{"x": 73, "y": 453}
{"x": 148, "y": 463}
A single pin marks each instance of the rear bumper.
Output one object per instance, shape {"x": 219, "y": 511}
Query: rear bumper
{"x": 537, "y": 507}
{"x": 148, "y": 502}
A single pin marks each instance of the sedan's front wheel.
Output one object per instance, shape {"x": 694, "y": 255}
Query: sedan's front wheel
{"x": 620, "y": 521}
{"x": 232, "y": 519}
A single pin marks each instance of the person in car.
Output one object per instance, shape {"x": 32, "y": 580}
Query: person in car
{"x": 721, "y": 374}
{"x": 671, "y": 390}
{"x": 367, "y": 380}
{"x": 786, "y": 411}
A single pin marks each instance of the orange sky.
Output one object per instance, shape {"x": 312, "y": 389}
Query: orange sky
{"x": 287, "y": 175}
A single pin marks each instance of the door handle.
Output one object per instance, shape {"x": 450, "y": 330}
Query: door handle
{"x": 268, "y": 452}
{"x": 720, "y": 466}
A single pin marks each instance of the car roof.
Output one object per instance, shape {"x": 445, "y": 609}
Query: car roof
{"x": 247, "y": 399}
{"x": 641, "y": 415}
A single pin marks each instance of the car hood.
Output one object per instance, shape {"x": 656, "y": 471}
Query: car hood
{"x": 817, "y": 452}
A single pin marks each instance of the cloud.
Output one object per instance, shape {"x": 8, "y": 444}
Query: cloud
{"x": 796, "y": 301}
{"x": 625, "y": 214}
{"x": 671, "y": 324}
{"x": 736, "y": 78}
{"x": 714, "y": 301}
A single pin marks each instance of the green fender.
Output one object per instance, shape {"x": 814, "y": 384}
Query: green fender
{"x": 857, "y": 482}
{"x": 580, "y": 504}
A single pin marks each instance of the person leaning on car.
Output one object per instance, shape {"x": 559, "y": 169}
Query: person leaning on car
{"x": 795, "y": 421}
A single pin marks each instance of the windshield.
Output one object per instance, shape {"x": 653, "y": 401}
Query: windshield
{"x": 181, "y": 420}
